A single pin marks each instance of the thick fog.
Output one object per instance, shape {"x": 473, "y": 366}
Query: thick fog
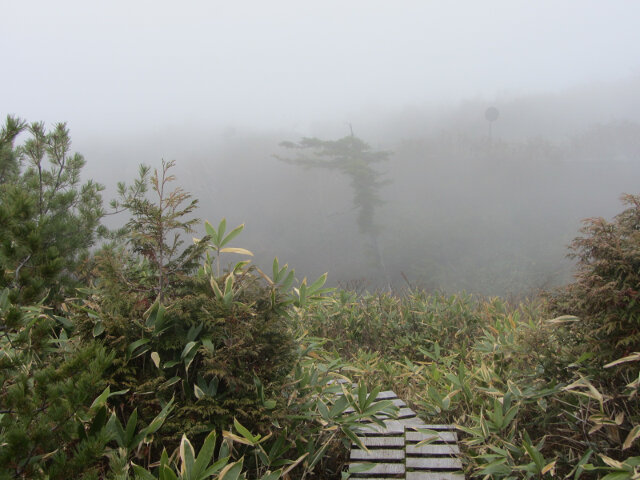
{"x": 484, "y": 206}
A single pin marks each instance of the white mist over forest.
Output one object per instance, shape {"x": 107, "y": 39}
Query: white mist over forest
{"x": 218, "y": 86}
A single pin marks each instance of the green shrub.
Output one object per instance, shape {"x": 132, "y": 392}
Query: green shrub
{"x": 606, "y": 292}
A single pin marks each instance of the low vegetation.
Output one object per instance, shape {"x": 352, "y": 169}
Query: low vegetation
{"x": 147, "y": 358}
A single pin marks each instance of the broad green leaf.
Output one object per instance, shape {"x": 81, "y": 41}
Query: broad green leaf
{"x": 210, "y": 230}
{"x": 99, "y": 421}
{"x": 322, "y": 408}
{"x": 272, "y": 475}
{"x": 339, "y": 406}
{"x": 221, "y": 229}
{"x": 228, "y": 286}
{"x": 231, "y": 471}
{"x": 188, "y": 348}
{"x": 238, "y": 268}
{"x": 320, "y": 281}
{"x": 205, "y": 455}
{"x": 171, "y": 381}
{"x": 131, "y": 429}
{"x": 362, "y": 396}
{"x": 372, "y": 397}
{"x": 579, "y": 468}
{"x": 198, "y": 392}
{"x": 232, "y": 234}
{"x": 215, "y": 288}
{"x": 286, "y": 284}
{"x": 244, "y": 432}
{"x": 142, "y": 473}
{"x": 217, "y": 465}
{"x": 353, "y": 437}
{"x": 533, "y": 452}
{"x": 115, "y": 427}
{"x": 98, "y": 329}
{"x": 65, "y": 322}
{"x": 618, "y": 476}
{"x": 101, "y": 399}
{"x": 187, "y": 457}
{"x": 157, "y": 422}
{"x": 134, "y": 347}
{"x": 208, "y": 344}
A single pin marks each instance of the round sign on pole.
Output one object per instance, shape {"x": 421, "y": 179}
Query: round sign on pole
{"x": 491, "y": 114}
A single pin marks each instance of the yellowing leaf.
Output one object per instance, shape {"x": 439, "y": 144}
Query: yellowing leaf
{"x": 241, "y": 251}
{"x": 562, "y": 319}
{"x": 236, "y": 438}
{"x": 612, "y": 463}
{"x": 156, "y": 359}
{"x": 633, "y": 435}
{"x": 634, "y": 357}
{"x": 550, "y": 467}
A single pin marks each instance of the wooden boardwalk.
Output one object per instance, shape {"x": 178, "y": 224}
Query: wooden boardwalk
{"x": 406, "y": 448}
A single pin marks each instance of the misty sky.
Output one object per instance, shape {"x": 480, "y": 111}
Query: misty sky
{"x": 138, "y": 65}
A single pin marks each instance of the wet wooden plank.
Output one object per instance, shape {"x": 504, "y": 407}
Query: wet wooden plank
{"x": 434, "y": 476}
{"x": 383, "y": 441}
{"x": 437, "y": 449}
{"x": 392, "y": 448}
{"x": 386, "y": 395}
{"x": 412, "y": 422}
{"x": 438, "y": 426}
{"x": 431, "y": 463}
{"x": 377, "y": 455}
{"x": 392, "y": 427}
{"x": 381, "y": 468}
{"x": 404, "y": 412}
{"x": 396, "y": 401}
{"x": 443, "y": 436}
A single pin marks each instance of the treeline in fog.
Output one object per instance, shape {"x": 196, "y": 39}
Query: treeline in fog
{"x": 459, "y": 210}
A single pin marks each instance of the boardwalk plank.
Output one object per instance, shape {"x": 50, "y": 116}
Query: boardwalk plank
{"x": 437, "y": 426}
{"x": 386, "y": 395}
{"x": 393, "y": 451}
{"x": 377, "y": 455}
{"x": 434, "y": 476}
{"x": 393, "y": 427}
{"x": 381, "y": 468}
{"x": 383, "y": 441}
{"x": 431, "y": 463}
{"x": 437, "y": 449}
{"x": 442, "y": 437}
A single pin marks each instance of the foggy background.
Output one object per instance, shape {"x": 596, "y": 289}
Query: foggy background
{"x": 218, "y": 85}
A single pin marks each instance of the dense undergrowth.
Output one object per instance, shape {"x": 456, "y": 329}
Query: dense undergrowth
{"x": 150, "y": 359}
